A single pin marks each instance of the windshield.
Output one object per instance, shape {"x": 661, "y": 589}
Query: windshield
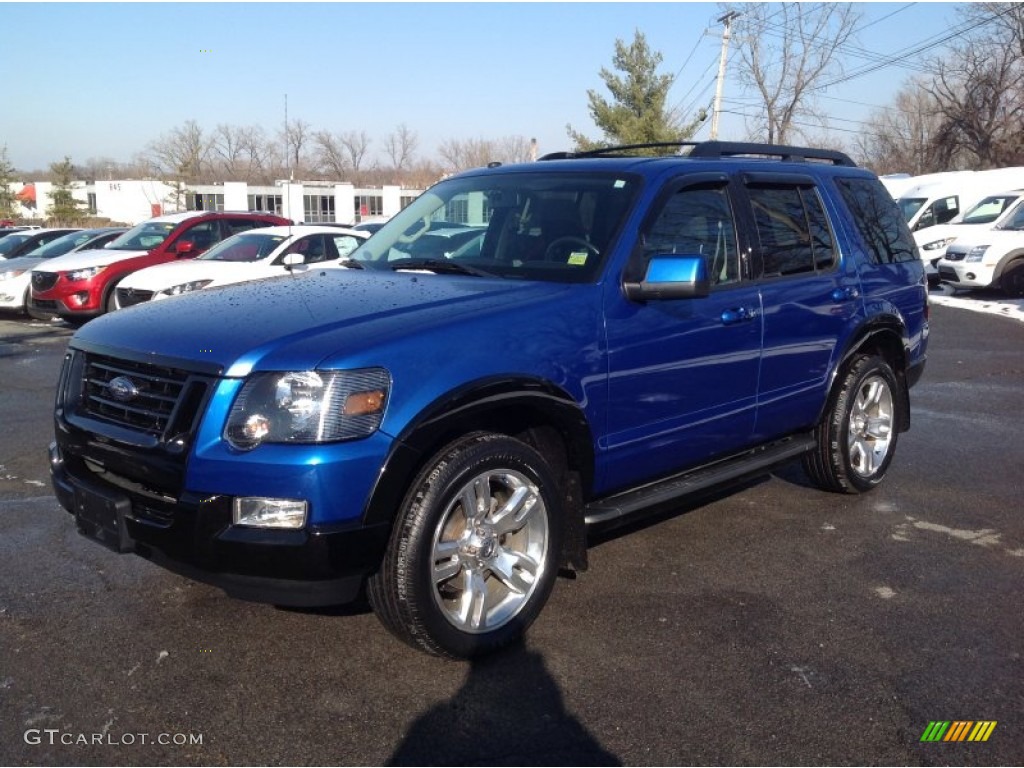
{"x": 9, "y": 243}
{"x": 989, "y": 209}
{"x": 61, "y": 245}
{"x": 144, "y": 237}
{"x": 1014, "y": 220}
{"x": 910, "y": 205}
{"x": 248, "y": 246}
{"x": 532, "y": 225}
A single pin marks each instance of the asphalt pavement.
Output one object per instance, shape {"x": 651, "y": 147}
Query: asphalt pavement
{"x": 768, "y": 624}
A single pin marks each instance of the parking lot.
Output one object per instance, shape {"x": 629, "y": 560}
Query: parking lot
{"x": 770, "y": 624}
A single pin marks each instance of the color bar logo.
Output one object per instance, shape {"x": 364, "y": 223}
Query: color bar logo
{"x": 958, "y": 730}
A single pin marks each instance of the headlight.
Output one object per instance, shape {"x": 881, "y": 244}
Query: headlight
{"x": 176, "y": 290}
{"x": 307, "y": 407}
{"x": 85, "y": 274}
{"x": 976, "y": 253}
{"x": 935, "y": 245}
{"x": 11, "y": 274}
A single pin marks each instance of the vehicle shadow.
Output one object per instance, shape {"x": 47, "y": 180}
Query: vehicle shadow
{"x": 509, "y": 711}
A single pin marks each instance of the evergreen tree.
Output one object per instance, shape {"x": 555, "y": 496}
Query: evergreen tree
{"x": 637, "y": 113}
{"x": 9, "y": 208}
{"x": 64, "y": 209}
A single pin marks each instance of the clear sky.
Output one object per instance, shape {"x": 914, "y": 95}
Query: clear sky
{"x": 104, "y": 79}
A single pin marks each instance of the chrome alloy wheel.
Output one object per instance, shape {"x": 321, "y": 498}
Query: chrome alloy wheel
{"x": 870, "y": 426}
{"x": 489, "y": 551}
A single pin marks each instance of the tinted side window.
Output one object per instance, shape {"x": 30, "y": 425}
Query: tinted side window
{"x": 878, "y": 219}
{"x": 792, "y": 229}
{"x": 241, "y": 225}
{"x": 697, "y": 221}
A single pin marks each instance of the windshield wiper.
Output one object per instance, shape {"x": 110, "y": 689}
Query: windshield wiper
{"x": 440, "y": 266}
{"x": 352, "y": 264}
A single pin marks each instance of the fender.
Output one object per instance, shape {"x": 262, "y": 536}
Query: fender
{"x": 882, "y": 332}
{"x": 509, "y": 404}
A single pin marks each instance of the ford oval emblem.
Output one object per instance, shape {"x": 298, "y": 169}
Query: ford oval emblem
{"x": 122, "y": 389}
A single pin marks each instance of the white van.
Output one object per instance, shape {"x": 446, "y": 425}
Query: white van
{"x": 988, "y": 213}
{"x": 940, "y": 201}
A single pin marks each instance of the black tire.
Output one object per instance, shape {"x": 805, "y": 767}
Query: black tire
{"x": 856, "y": 439}
{"x": 1012, "y": 281}
{"x": 462, "y": 590}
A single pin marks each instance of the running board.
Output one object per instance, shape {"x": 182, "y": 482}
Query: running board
{"x": 683, "y": 484}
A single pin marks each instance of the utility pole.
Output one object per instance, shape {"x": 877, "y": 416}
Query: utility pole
{"x": 727, "y": 20}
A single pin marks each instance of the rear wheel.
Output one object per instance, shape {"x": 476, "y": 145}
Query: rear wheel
{"x": 857, "y": 438}
{"x": 473, "y": 555}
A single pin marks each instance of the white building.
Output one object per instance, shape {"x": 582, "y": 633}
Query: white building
{"x": 130, "y": 201}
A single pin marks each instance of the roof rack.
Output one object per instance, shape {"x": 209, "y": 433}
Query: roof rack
{"x": 720, "y": 149}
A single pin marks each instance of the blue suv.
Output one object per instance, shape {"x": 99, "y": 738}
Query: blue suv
{"x": 439, "y": 423}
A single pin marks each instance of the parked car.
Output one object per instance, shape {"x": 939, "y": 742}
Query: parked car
{"x": 988, "y": 259}
{"x": 254, "y": 255}
{"x": 82, "y": 285}
{"x": 22, "y": 243}
{"x": 988, "y": 213}
{"x": 631, "y": 330}
{"x": 15, "y": 274}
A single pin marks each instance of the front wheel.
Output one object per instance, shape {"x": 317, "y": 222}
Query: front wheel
{"x": 856, "y": 439}
{"x": 1012, "y": 281}
{"x": 473, "y": 555}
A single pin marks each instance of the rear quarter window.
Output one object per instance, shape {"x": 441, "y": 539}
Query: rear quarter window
{"x": 877, "y": 217}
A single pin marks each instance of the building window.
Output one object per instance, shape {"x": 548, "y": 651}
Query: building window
{"x": 91, "y": 197}
{"x": 266, "y": 203}
{"x": 407, "y": 200}
{"x": 369, "y": 205}
{"x": 198, "y": 201}
{"x": 318, "y": 208}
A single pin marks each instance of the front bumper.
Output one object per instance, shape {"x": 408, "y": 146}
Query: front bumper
{"x": 966, "y": 274}
{"x": 194, "y": 536}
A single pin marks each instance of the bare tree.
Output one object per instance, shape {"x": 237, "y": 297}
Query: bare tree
{"x": 904, "y": 138}
{"x": 400, "y": 146}
{"x": 296, "y": 137}
{"x": 356, "y": 144}
{"x": 458, "y": 155}
{"x": 240, "y": 152}
{"x": 182, "y": 153}
{"x": 787, "y": 50}
{"x": 330, "y": 156}
{"x": 979, "y": 88}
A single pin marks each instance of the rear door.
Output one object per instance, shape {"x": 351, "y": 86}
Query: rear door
{"x": 811, "y": 297}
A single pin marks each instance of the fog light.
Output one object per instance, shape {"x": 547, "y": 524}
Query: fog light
{"x": 79, "y": 299}
{"x": 971, "y": 276}
{"x": 269, "y": 513}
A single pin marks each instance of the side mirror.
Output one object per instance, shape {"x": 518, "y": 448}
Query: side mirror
{"x": 671, "y": 276}
{"x": 293, "y": 260}
{"x": 184, "y": 248}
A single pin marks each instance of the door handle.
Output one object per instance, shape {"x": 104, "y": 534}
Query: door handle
{"x": 738, "y": 315}
{"x": 845, "y": 294}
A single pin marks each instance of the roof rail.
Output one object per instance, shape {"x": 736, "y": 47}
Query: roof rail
{"x": 719, "y": 149}
{"x": 781, "y": 151}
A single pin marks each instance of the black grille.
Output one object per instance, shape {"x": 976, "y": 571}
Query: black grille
{"x": 44, "y": 304}
{"x": 148, "y": 398}
{"x": 954, "y": 256}
{"x": 129, "y": 297}
{"x": 44, "y": 281}
{"x": 946, "y": 273}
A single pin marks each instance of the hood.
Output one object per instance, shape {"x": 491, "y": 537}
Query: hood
{"x": 21, "y": 262}
{"x": 97, "y": 257}
{"x": 297, "y": 322}
{"x": 994, "y": 238}
{"x": 162, "y": 276}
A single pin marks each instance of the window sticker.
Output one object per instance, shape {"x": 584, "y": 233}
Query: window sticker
{"x": 578, "y": 258}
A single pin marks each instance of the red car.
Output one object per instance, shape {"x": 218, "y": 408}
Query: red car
{"x": 81, "y": 285}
